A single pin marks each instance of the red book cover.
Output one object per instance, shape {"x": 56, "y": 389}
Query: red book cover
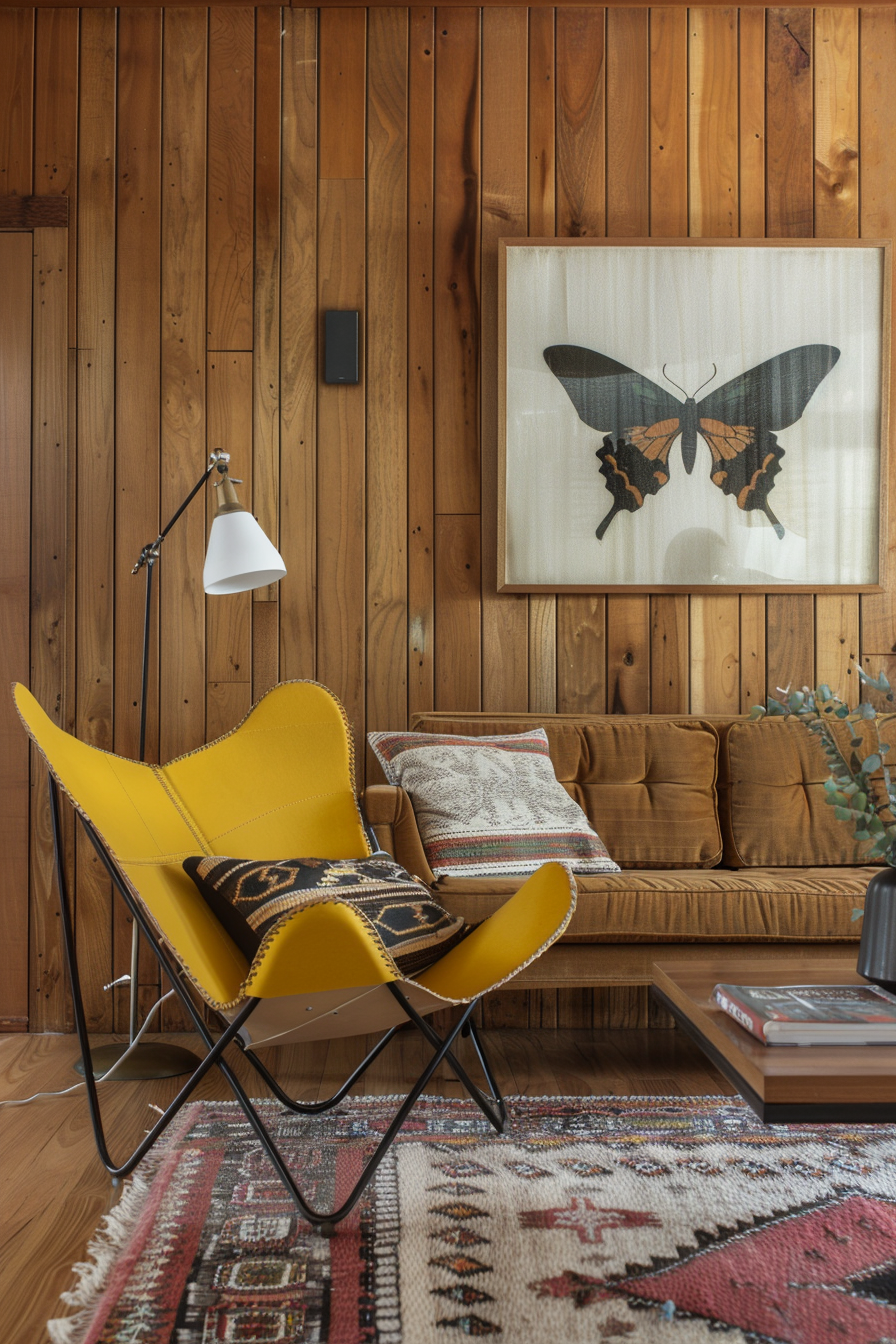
{"x": 801, "y": 1014}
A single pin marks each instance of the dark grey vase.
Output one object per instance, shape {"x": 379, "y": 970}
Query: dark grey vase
{"x": 877, "y": 950}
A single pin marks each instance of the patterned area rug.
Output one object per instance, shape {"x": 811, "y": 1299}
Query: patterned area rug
{"x": 663, "y": 1220}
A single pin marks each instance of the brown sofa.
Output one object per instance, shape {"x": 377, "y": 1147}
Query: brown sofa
{"x": 727, "y": 847}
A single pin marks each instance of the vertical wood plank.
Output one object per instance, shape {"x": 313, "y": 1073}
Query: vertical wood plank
{"x": 15, "y": 565}
{"x": 231, "y": 98}
{"x": 669, "y": 657}
{"x": 228, "y": 619}
{"x": 628, "y": 655}
{"x": 751, "y": 106}
{"x": 790, "y": 641}
{"x": 582, "y": 654}
{"x": 49, "y": 588}
{"x": 877, "y": 136}
{"x": 715, "y": 675}
{"x": 508, "y": 1008}
{"x": 581, "y": 123}
{"x": 541, "y": 184}
{"x": 95, "y": 554}
{"x": 183, "y": 453}
{"x": 713, "y": 123}
{"x": 343, "y": 69}
{"x": 56, "y": 128}
{"x": 421, "y": 371}
{"x": 669, "y": 122}
{"x": 265, "y": 647}
{"x": 341, "y": 423}
{"x": 505, "y": 60}
{"x": 575, "y": 1008}
{"x": 387, "y": 359}
{"x": 341, "y": 584}
{"x": 581, "y": 208}
{"x": 752, "y": 651}
{"x": 836, "y": 123}
{"x": 457, "y": 588}
{"x": 669, "y": 634}
{"x": 227, "y": 704}
{"x": 266, "y": 284}
{"x": 138, "y": 233}
{"x": 137, "y": 427}
{"x": 457, "y": 242}
{"x": 628, "y": 154}
{"x": 541, "y": 209}
{"x": 16, "y": 101}
{"x": 298, "y": 345}
{"x": 789, "y": 150}
{"x": 837, "y": 644}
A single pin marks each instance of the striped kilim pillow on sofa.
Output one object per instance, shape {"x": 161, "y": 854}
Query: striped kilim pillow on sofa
{"x": 490, "y": 805}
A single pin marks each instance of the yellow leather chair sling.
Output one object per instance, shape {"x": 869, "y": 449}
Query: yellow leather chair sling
{"x": 281, "y": 784}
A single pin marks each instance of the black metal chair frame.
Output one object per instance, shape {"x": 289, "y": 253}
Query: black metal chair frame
{"x": 491, "y": 1104}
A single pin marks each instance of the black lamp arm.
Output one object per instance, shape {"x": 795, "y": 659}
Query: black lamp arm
{"x": 148, "y": 556}
{"x": 150, "y": 552}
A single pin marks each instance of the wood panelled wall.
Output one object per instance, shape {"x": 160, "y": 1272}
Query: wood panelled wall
{"x": 235, "y": 172}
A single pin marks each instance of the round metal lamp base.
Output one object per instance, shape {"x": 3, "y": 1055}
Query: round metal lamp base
{"x": 151, "y": 1059}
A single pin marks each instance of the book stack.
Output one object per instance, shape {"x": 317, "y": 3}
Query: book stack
{"x": 812, "y": 1014}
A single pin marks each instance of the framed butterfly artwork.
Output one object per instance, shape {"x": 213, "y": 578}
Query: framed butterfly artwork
{"x": 694, "y": 415}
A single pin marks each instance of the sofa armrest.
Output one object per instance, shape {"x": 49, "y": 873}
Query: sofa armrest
{"x": 389, "y": 811}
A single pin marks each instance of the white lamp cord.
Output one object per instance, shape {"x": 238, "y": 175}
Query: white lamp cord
{"x": 23, "y": 1101}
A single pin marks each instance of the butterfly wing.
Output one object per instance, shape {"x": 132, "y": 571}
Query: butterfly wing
{"x": 737, "y": 421}
{"x": 639, "y": 418}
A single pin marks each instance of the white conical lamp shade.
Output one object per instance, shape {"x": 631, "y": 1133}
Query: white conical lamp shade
{"x": 239, "y": 556}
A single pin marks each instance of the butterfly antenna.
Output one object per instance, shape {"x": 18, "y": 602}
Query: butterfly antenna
{"x": 669, "y": 380}
{"x": 709, "y": 380}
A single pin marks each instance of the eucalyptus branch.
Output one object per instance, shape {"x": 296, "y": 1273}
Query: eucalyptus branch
{"x": 855, "y": 783}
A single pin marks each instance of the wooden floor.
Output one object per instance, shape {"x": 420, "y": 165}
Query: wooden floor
{"x": 54, "y": 1191}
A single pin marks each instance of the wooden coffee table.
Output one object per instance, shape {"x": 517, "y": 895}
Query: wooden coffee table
{"x": 784, "y": 1084}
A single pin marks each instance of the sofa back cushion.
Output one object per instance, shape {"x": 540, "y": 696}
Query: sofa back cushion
{"x": 772, "y": 806}
{"x": 646, "y": 784}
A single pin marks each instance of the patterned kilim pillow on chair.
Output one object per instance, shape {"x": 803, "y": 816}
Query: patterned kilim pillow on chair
{"x": 490, "y": 805}
{"x": 251, "y": 897}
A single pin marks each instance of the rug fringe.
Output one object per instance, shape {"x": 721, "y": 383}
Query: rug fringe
{"x": 91, "y": 1275}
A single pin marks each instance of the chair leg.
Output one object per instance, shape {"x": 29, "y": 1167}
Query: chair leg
{"x": 497, "y": 1117}
{"x": 493, "y": 1107}
{"x": 315, "y": 1107}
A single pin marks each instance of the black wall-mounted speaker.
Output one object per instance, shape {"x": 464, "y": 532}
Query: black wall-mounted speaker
{"x": 340, "y": 347}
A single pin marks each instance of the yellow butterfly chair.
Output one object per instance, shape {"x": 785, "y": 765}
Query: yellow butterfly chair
{"x": 281, "y": 784}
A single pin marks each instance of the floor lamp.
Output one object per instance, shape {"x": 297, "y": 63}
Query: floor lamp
{"x": 239, "y": 557}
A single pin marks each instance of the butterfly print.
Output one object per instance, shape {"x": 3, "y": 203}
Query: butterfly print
{"x": 737, "y": 422}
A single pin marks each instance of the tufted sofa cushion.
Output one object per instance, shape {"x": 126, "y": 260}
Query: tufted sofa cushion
{"x": 646, "y": 784}
{"x": 772, "y": 809}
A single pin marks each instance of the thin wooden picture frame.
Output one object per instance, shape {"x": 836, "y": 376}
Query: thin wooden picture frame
{"x": 570, "y": 296}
